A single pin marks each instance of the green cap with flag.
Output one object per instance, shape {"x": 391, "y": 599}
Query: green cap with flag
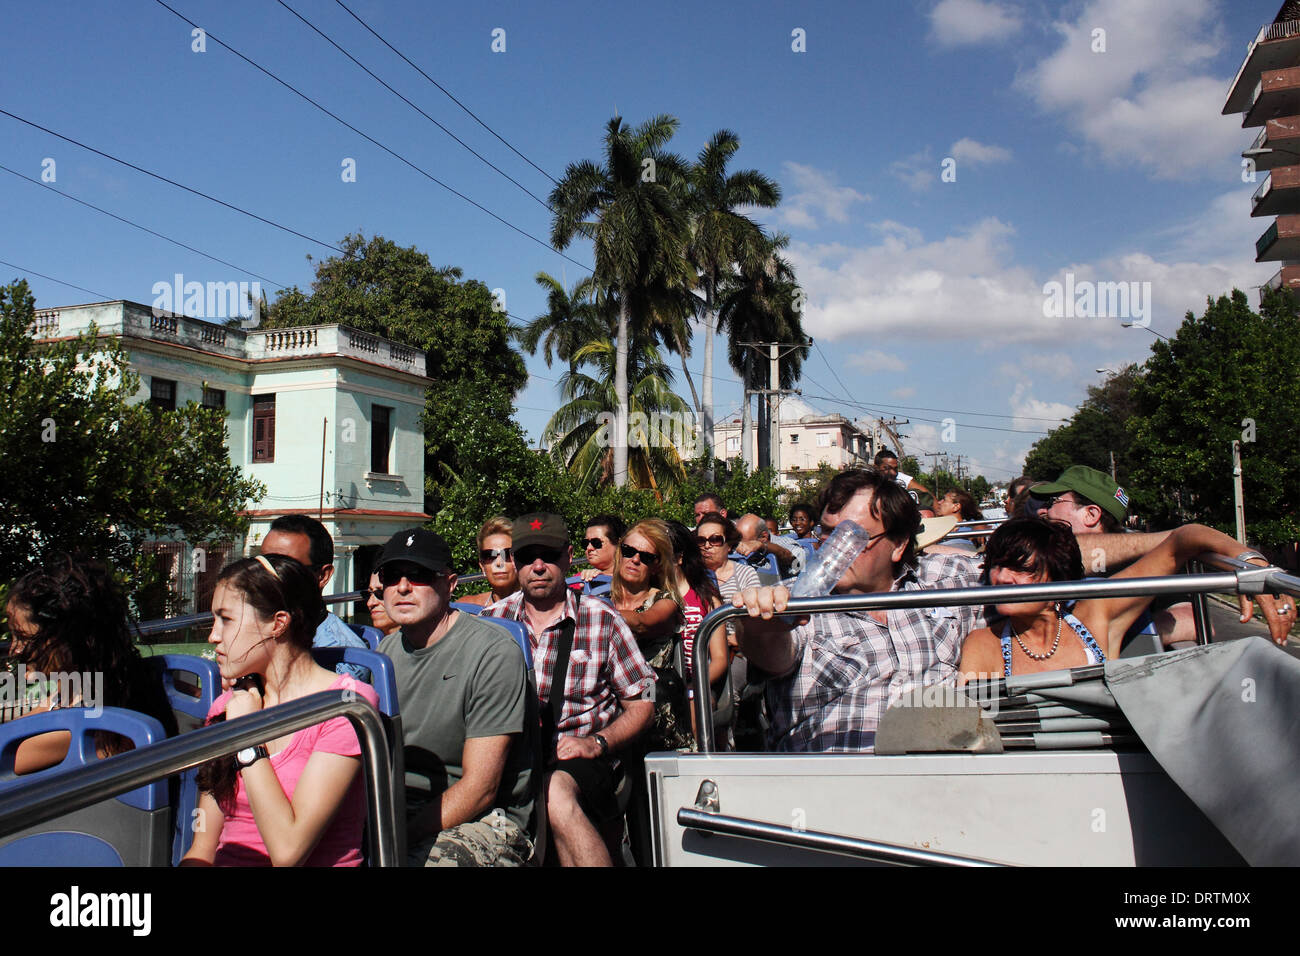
{"x": 1091, "y": 484}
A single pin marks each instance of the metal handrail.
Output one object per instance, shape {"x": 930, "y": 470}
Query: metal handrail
{"x": 60, "y": 793}
{"x": 1245, "y": 579}
{"x": 871, "y": 850}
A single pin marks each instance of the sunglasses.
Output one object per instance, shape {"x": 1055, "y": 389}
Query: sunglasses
{"x": 390, "y": 576}
{"x": 712, "y": 541}
{"x": 490, "y": 556}
{"x": 647, "y": 557}
{"x": 526, "y": 556}
{"x": 376, "y": 593}
{"x": 596, "y": 543}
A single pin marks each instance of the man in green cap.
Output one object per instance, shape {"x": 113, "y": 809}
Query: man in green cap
{"x": 1088, "y": 500}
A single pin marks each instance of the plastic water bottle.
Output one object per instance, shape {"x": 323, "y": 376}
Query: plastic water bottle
{"x": 828, "y": 563}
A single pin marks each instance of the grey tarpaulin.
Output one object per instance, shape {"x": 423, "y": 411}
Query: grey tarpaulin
{"x": 1224, "y": 722}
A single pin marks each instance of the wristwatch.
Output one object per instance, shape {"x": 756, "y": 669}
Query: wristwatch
{"x": 250, "y": 755}
{"x": 604, "y": 744}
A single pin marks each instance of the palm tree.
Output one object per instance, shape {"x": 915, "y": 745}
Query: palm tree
{"x": 721, "y": 237}
{"x": 578, "y": 431}
{"x": 572, "y": 319}
{"x": 629, "y": 207}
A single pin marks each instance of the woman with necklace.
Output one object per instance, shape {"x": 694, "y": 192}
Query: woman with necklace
{"x": 1046, "y": 635}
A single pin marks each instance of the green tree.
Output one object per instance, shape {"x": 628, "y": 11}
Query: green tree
{"x": 629, "y": 207}
{"x": 1098, "y": 429}
{"x": 379, "y": 287}
{"x": 90, "y": 470}
{"x": 571, "y": 320}
{"x": 1228, "y": 375}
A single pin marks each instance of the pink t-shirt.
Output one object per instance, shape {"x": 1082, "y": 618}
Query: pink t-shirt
{"x": 693, "y": 612}
{"x": 241, "y": 843}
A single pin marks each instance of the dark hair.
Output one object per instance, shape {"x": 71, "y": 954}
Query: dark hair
{"x": 1019, "y": 504}
{"x": 1018, "y": 485}
{"x": 970, "y": 510}
{"x": 693, "y": 570}
{"x": 710, "y": 496}
{"x": 289, "y": 587}
{"x": 729, "y": 529}
{"x": 806, "y": 508}
{"x": 885, "y": 453}
{"x": 82, "y": 625}
{"x": 613, "y": 525}
{"x": 893, "y": 506}
{"x": 321, "y": 548}
{"x": 1036, "y": 545}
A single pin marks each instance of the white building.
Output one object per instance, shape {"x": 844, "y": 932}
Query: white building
{"x": 808, "y": 438}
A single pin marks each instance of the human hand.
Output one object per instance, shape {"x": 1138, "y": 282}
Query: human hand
{"x": 588, "y": 573}
{"x": 1278, "y": 614}
{"x": 245, "y": 699}
{"x": 570, "y": 747}
{"x": 766, "y": 602}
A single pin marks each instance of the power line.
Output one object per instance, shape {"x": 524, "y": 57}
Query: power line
{"x": 447, "y": 92}
{"x": 99, "y": 295}
{"x": 172, "y": 182}
{"x": 370, "y": 139}
{"x": 151, "y": 232}
{"x": 545, "y": 205}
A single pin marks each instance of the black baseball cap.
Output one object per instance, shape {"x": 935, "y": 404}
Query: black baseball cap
{"x": 548, "y": 530}
{"x": 421, "y": 547}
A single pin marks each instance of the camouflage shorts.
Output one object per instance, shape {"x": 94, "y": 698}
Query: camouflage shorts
{"x": 493, "y": 841}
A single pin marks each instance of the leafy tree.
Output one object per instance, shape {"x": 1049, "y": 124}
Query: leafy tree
{"x": 1098, "y": 428}
{"x": 89, "y": 470}
{"x": 1227, "y": 375}
{"x": 392, "y": 291}
{"x": 571, "y": 320}
{"x": 630, "y": 209}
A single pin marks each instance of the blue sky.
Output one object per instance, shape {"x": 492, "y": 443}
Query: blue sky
{"x": 925, "y": 297}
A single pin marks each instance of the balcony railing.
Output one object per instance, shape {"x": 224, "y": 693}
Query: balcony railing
{"x": 1266, "y": 240}
{"x": 1261, "y": 192}
{"x": 1279, "y": 31}
{"x": 284, "y": 340}
{"x": 45, "y": 324}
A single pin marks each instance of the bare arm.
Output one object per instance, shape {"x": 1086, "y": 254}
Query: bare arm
{"x": 981, "y": 656}
{"x": 659, "y": 619}
{"x": 472, "y": 795}
{"x": 1104, "y": 552}
{"x": 766, "y": 640}
{"x": 207, "y": 832}
{"x": 291, "y": 829}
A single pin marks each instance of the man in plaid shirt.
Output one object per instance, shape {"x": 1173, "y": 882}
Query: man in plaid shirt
{"x": 836, "y": 676}
{"x": 606, "y": 688}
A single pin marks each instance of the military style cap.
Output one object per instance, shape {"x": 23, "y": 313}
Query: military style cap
{"x": 1096, "y": 486}
{"x": 539, "y": 528}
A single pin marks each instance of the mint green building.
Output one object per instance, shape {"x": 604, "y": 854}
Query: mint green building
{"x": 326, "y": 417}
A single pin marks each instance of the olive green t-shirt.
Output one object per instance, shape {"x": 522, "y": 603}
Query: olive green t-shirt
{"x": 471, "y": 683}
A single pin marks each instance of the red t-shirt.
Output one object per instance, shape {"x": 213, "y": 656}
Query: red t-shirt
{"x": 693, "y": 612}
{"x": 241, "y": 842}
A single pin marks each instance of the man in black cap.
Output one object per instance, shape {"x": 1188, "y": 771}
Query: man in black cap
{"x": 469, "y": 718}
{"x": 594, "y": 686}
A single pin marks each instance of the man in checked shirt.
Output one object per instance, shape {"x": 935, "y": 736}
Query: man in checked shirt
{"x": 606, "y": 688}
{"x": 833, "y": 678}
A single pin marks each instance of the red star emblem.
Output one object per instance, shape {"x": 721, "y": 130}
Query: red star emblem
{"x": 535, "y": 524}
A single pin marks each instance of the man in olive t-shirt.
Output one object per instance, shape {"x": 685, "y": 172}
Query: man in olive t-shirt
{"x": 469, "y": 716}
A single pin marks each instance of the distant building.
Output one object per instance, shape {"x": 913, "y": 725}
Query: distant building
{"x": 808, "y": 438}
{"x": 1267, "y": 91}
{"x": 328, "y": 418}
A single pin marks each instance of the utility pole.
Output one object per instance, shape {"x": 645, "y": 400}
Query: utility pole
{"x": 1238, "y": 495}
{"x": 775, "y": 352}
{"x": 1112, "y": 468}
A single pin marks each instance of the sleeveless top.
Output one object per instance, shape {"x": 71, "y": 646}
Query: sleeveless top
{"x": 1090, "y": 646}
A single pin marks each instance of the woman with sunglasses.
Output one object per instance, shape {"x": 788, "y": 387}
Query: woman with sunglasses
{"x": 375, "y": 605}
{"x": 295, "y": 800}
{"x": 699, "y": 595}
{"x": 600, "y": 544}
{"x": 717, "y": 537}
{"x": 494, "y": 560}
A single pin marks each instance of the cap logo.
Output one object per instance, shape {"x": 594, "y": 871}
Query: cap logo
{"x": 1123, "y": 498}
{"x": 535, "y": 525}
{"x": 410, "y": 540}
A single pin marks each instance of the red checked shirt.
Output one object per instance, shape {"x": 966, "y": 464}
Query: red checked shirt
{"x": 604, "y": 665}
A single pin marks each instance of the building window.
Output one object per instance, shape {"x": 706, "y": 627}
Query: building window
{"x": 162, "y": 394}
{"x": 733, "y": 444}
{"x": 264, "y": 428}
{"x": 823, "y": 440}
{"x": 794, "y": 439}
{"x": 214, "y": 397}
{"x": 381, "y": 439}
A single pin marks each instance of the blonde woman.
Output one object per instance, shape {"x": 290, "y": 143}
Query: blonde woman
{"x": 494, "y": 560}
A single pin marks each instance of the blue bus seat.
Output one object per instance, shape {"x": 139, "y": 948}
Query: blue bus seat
{"x": 192, "y": 685}
{"x": 371, "y": 635}
{"x": 133, "y": 829}
{"x": 468, "y": 608}
{"x": 768, "y": 563}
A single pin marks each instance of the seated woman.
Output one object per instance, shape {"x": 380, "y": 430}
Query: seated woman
{"x": 71, "y": 619}
{"x": 645, "y": 591}
{"x": 495, "y": 563}
{"x": 1045, "y": 635}
{"x": 699, "y": 595}
{"x": 600, "y": 543}
{"x": 963, "y": 505}
{"x": 296, "y": 800}
{"x": 375, "y": 605}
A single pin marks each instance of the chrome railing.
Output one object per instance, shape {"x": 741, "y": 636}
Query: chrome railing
{"x": 1242, "y": 579}
{"x": 60, "y": 793}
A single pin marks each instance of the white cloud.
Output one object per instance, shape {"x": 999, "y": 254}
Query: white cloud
{"x": 1140, "y": 101}
{"x": 907, "y": 391}
{"x": 918, "y": 171}
{"x": 1028, "y": 411}
{"x": 972, "y": 152}
{"x": 816, "y": 192}
{"x": 964, "y": 22}
{"x": 874, "y": 360}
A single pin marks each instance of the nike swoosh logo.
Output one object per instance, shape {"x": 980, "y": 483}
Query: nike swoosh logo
{"x": 448, "y": 676}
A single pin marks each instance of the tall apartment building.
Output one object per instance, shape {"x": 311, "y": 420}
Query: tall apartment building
{"x": 326, "y": 417}
{"x": 1267, "y": 92}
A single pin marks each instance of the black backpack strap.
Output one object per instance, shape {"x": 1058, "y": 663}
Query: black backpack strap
{"x": 560, "y": 675}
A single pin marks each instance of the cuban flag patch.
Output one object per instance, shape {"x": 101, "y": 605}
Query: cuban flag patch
{"x": 1123, "y": 498}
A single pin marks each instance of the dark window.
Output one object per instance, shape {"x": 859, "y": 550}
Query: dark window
{"x": 380, "y": 438}
{"x": 214, "y": 397}
{"x": 162, "y": 393}
{"x": 263, "y": 428}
